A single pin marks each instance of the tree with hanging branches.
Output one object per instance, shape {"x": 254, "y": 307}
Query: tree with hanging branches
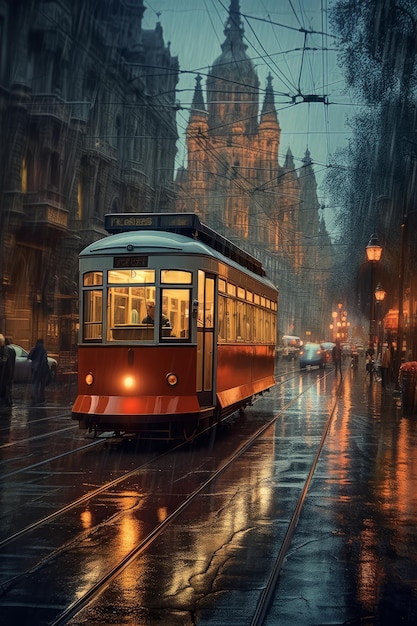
{"x": 375, "y": 181}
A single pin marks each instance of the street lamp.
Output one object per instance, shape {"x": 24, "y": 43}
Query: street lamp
{"x": 380, "y": 294}
{"x": 373, "y": 254}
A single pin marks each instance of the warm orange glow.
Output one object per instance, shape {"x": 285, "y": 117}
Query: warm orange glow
{"x": 128, "y": 382}
{"x": 172, "y": 379}
{"x": 86, "y": 519}
{"x": 373, "y": 249}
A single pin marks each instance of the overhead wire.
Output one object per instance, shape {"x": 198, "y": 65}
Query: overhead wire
{"x": 302, "y": 29}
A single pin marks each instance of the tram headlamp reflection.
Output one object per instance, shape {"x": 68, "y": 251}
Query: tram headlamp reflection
{"x": 89, "y": 379}
{"x": 172, "y": 379}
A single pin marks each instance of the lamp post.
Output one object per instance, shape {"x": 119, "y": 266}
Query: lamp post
{"x": 373, "y": 254}
{"x": 380, "y": 294}
{"x": 334, "y": 324}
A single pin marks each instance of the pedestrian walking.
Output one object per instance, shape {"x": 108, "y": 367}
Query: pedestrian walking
{"x": 337, "y": 358}
{"x": 385, "y": 365}
{"x": 12, "y": 356}
{"x": 6, "y": 371}
{"x": 40, "y": 367}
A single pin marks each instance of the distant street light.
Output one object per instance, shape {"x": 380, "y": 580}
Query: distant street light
{"x": 380, "y": 294}
{"x": 373, "y": 254}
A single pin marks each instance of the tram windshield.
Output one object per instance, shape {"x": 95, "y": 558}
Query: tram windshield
{"x": 139, "y": 305}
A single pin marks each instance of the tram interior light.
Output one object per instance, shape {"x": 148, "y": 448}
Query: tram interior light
{"x": 89, "y": 379}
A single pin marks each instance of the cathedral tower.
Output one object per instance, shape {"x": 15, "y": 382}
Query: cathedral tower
{"x": 233, "y": 178}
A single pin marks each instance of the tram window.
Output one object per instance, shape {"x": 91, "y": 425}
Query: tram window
{"x": 200, "y": 296}
{"x": 231, "y": 319}
{"x": 240, "y": 322}
{"x": 260, "y": 325}
{"x": 205, "y": 294}
{"x": 249, "y": 322}
{"x": 127, "y": 313}
{"x": 93, "y": 278}
{"x": 240, "y": 293}
{"x": 267, "y": 327}
{"x": 176, "y": 277}
{"x": 274, "y": 328}
{"x": 92, "y": 315}
{"x": 176, "y": 307}
{"x": 231, "y": 289}
{"x": 222, "y": 318}
{"x": 222, "y": 285}
{"x": 249, "y": 296}
{"x": 209, "y": 303}
{"x": 136, "y": 276}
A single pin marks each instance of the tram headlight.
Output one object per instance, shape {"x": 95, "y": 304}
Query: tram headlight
{"x": 171, "y": 379}
{"x": 89, "y": 379}
{"x": 128, "y": 382}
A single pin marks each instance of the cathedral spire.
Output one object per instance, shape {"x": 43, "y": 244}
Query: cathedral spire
{"x": 307, "y": 157}
{"x": 269, "y": 104}
{"x": 234, "y": 32}
{"x": 289, "y": 160}
{"x": 269, "y": 113}
{"x": 197, "y": 105}
{"x": 232, "y": 82}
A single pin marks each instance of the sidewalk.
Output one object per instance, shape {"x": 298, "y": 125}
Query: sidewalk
{"x": 354, "y": 554}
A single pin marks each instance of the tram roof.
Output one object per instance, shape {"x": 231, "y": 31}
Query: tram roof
{"x": 186, "y": 224}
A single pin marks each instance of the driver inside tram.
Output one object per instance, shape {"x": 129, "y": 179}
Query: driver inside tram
{"x": 149, "y": 319}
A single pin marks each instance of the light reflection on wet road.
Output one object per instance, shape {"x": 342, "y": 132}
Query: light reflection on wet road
{"x": 354, "y": 553}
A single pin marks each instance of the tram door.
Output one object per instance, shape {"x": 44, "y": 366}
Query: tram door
{"x": 205, "y": 337}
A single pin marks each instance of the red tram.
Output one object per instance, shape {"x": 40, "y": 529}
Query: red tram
{"x": 177, "y": 328}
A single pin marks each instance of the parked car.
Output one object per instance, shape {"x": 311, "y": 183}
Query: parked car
{"x": 22, "y": 369}
{"x": 312, "y": 355}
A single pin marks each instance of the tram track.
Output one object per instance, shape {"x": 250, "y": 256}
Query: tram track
{"x": 10, "y": 444}
{"x": 267, "y": 594}
{"x": 97, "y": 589}
{"x": 112, "y": 573}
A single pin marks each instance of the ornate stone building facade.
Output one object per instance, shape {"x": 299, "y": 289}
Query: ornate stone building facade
{"x": 84, "y": 132}
{"x": 234, "y": 181}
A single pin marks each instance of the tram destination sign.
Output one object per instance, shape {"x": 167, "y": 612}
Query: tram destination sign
{"x": 122, "y": 222}
{"x": 123, "y": 262}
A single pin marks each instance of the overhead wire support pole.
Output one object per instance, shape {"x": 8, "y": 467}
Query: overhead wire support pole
{"x": 400, "y": 333}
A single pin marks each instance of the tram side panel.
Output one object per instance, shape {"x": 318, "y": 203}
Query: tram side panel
{"x": 243, "y": 371}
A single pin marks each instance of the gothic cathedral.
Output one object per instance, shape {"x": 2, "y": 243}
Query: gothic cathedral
{"x": 234, "y": 181}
